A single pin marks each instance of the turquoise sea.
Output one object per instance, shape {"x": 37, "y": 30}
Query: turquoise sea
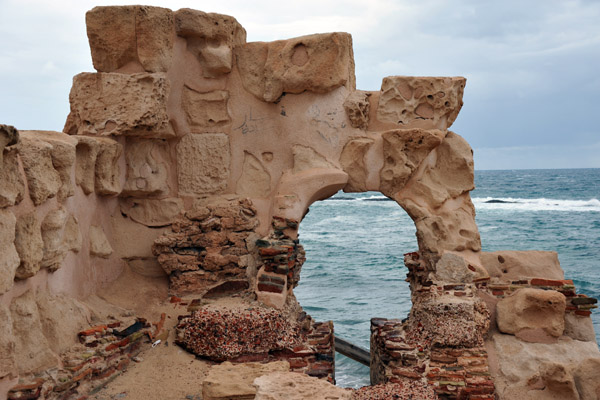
{"x": 355, "y": 244}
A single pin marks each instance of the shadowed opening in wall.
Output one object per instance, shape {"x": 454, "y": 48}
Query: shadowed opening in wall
{"x": 354, "y": 269}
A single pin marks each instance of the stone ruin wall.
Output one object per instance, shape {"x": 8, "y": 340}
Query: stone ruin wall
{"x": 194, "y": 155}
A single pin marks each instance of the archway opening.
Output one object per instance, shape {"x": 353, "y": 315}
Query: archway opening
{"x": 354, "y": 269}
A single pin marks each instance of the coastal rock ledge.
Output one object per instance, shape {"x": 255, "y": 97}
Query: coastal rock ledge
{"x": 151, "y": 249}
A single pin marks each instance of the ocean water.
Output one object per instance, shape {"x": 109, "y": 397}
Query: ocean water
{"x": 355, "y": 244}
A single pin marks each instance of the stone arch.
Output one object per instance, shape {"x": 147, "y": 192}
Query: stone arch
{"x": 429, "y": 173}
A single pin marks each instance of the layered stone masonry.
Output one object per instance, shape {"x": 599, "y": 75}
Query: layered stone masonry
{"x": 440, "y": 344}
{"x": 209, "y": 247}
{"x": 105, "y": 352}
{"x": 576, "y": 304}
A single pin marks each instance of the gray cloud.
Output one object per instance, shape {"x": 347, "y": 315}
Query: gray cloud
{"x": 531, "y": 66}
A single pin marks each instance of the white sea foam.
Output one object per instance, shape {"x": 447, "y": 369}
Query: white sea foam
{"x": 541, "y": 204}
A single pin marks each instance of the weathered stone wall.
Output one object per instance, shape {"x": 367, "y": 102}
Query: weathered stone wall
{"x": 193, "y": 156}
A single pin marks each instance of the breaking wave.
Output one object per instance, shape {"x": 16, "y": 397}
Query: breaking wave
{"x": 542, "y": 204}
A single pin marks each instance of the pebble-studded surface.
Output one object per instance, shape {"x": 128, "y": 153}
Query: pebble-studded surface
{"x": 225, "y": 334}
{"x": 396, "y": 391}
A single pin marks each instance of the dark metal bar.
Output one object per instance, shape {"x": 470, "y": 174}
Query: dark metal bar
{"x": 352, "y": 351}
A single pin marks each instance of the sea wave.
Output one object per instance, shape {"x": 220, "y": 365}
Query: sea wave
{"x": 541, "y": 204}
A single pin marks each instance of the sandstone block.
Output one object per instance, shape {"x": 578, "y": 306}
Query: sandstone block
{"x": 97, "y": 165}
{"x": 450, "y": 176}
{"x": 317, "y": 63}
{"x": 61, "y": 317}
{"x": 509, "y": 265}
{"x": 205, "y": 110}
{"x": 203, "y": 163}
{"x": 147, "y": 168}
{"x": 154, "y": 29}
{"x": 453, "y": 268}
{"x": 453, "y": 229}
{"x": 152, "y": 212}
{"x": 12, "y": 186}
{"x": 63, "y": 157}
{"x": 7, "y": 343}
{"x": 211, "y": 38}
{"x": 464, "y": 322}
{"x": 297, "y": 386}
{"x": 403, "y": 152}
{"x": 72, "y": 235}
{"x": 532, "y": 309}
{"x": 357, "y": 108}
{"x": 558, "y": 381}
{"x": 105, "y": 104}
{"x": 11, "y": 182}
{"x": 32, "y": 350}
{"x": 53, "y": 231}
{"x": 42, "y": 179}
{"x": 112, "y": 38}
{"x": 579, "y": 328}
{"x": 234, "y": 381}
{"x": 125, "y": 35}
{"x": 9, "y": 136}
{"x": 353, "y": 163}
{"x": 9, "y": 258}
{"x": 255, "y": 180}
{"x": 586, "y": 376}
{"x": 29, "y": 245}
{"x": 423, "y": 102}
{"x": 99, "y": 245}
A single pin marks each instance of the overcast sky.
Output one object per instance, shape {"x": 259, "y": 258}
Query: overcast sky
{"x": 532, "y": 67}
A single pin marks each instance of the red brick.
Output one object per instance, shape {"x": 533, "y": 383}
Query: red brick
{"x": 550, "y": 282}
{"x": 583, "y": 313}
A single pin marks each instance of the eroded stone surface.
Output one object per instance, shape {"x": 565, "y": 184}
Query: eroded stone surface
{"x": 206, "y": 111}
{"x": 9, "y": 258}
{"x": 126, "y": 35}
{"x": 147, "y": 168}
{"x": 403, "y": 152}
{"x": 211, "y": 38}
{"x": 431, "y": 103}
{"x": 317, "y": 63}
{"x": 105, "y": 104}
{"x": 152, "y": 212}
{"x": 203, "y": 163}
{"x": 353, "y": 163}
{"x": 294, "y": 386}
{"x": 63, "y": 157}
{"x": 12, "y": 186}
{"x": 97, "y": 167}
{"x": 7, "y": 343}
{"x": 532, "y": 309}
{"x": 29, "y": 245}
{"x": 452, "y": 174}
{"x": 53, "y": 230}
{"x": 357, "y": 108}
{"x": 226, "y": 381}
{"x": 32, "y": 350}
{"x": 72, "y": 238}
{"x": 509, "y": 265}
{"x": 42, "y": 179}
{"x": 99, "y": 245}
